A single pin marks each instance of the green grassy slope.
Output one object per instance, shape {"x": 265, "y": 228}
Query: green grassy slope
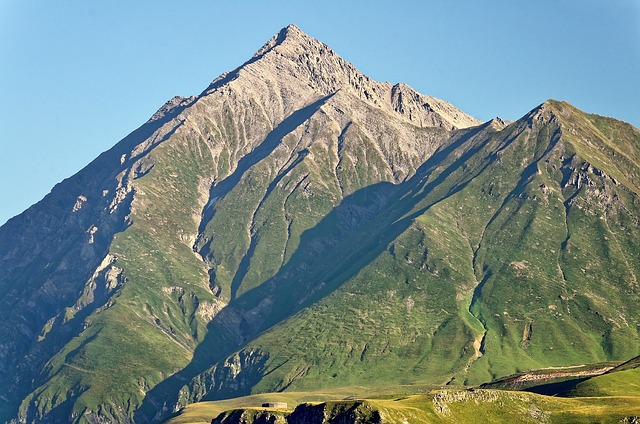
{"x": 494, "y": 259}
{"x": 549, "y": 248}
{"x": 158, "y": 309}
{"x": 55, "y": 268}
{"x": 623, "y": 380}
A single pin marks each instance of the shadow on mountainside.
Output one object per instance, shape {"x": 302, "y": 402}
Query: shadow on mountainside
{"x": 325, "y": 259}
{"x": 243, "y": 267}
{"x": 271, "y": 141}
{"x": 45, "y": 259}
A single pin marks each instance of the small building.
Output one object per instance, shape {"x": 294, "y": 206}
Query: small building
{"x": 281, "y": 405}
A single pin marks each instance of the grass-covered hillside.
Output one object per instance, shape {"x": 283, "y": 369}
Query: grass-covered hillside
{"x": 623, "y": 380}
{"x": 494, "y": 258}
{"x": 440, "y": 406}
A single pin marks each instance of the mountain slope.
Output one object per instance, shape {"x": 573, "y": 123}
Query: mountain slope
{"x": 299, "y": 225}
{"x": 128, "y": 284}
{"x": 491, "y": 260}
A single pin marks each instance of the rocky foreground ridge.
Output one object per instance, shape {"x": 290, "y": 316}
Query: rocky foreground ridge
{"x": 298, "y": 225}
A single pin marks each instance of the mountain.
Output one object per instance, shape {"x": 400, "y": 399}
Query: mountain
{"x": 299, "y": 226}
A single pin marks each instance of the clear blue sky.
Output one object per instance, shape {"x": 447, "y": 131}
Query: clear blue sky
{"x": 77, "y": 76}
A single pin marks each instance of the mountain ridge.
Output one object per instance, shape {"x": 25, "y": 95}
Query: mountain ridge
{"x": 326, "y": 72}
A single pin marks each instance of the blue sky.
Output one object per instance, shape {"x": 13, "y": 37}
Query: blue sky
{"x": 77, "y": 76}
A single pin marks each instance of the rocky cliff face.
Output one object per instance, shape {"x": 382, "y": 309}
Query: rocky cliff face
{"x": 299, "y": 224}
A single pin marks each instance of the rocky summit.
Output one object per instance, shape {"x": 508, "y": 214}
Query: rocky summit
{"x": 299, "y": 227}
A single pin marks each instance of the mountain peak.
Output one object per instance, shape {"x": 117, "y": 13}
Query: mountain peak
{"x": 293, "y": 29}
{"x": 290, "y": 35}
{"x": 307, "y": 68}
{"x": 498, "y": 123}
{"x": 544, "y": 113}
